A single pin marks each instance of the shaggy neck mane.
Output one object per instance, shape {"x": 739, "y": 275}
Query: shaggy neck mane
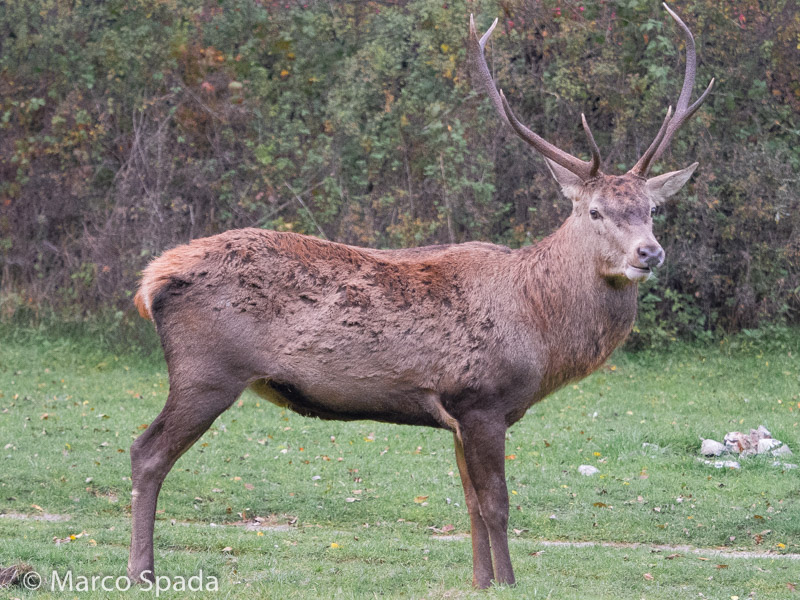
{"x": 581, "y": 316}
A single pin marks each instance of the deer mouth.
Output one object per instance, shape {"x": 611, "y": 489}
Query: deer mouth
{"x": 637, "y": 273}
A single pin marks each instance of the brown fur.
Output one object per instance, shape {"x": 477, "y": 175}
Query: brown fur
{"x": 460, "y": 337}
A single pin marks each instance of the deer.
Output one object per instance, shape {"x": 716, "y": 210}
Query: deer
{"x": 461, "y": 337}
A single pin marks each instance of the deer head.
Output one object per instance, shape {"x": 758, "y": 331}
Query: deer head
{"x": 613, "y": 213}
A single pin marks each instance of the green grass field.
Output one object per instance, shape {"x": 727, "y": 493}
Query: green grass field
{"x": 278, "y": 506}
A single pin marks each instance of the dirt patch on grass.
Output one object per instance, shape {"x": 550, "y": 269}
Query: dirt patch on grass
{"x": 37, "y": 517}
{"x": 271, "y": 523}
{"x": 456, "y": 537}
{"x": 679, "y": 548}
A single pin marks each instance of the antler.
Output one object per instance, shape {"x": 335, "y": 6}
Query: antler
{"x": 583, "y": 169}
{"x": 682, "y": 109}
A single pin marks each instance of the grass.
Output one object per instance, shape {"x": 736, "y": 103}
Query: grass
{"x": 352, "y": 509}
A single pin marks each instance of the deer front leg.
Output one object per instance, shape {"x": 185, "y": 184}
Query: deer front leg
{"x": 482, "y": 570}
{"x": 483, "y": 439}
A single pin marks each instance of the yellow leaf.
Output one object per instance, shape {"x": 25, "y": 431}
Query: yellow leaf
{"x": 420, "y": 499}
{"x": 334, "y": 545}
{"x": 259, "y": 533}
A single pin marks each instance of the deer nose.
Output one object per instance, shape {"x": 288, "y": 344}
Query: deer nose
{"x": 651, "y": 255}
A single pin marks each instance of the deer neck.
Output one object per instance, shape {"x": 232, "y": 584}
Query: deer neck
{"x": 581, "y": 317}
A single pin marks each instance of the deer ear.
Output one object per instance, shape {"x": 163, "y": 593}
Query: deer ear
{"x": 570, "y": 183}
{"x": 664, "y": 186}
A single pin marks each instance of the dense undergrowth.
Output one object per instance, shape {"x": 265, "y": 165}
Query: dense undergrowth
{"x": 127, "y": 127}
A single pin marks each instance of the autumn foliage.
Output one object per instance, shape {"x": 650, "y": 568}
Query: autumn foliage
{"x": 129, "y": 126}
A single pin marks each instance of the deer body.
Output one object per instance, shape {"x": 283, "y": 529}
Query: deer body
{"x": 461, "y": 337}
{"x": 335, "y": 331}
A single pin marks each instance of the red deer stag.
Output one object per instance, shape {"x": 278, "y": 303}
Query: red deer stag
{"x": 461, "y": 337}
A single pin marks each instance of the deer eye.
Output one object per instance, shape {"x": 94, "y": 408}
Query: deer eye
{"x": 594, "y": 213}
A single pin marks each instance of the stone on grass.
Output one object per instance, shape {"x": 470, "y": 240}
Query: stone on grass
{"x": 588, "y": 470}
{"x": 786, "y": 466}
{"x": 782, "y": 451}
{"x": 758, "y": 441}
{"x": 767, "y": 444}
{"x": 711, "y": 448}
{"x": 739, "y": 443}
{"x": 722, "y": 464}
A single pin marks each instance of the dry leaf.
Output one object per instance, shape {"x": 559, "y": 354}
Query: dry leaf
{"x": 227, "y": 549}
{"x": 722, "y": 566}
{"x": 671, "y": 556}
{"x": 648, "y": 577}
{"x": 420, "y": 499}
{"x": 791, "y": 587}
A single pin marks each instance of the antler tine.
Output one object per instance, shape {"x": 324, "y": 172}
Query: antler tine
{"x": 682, "y": 109}
{"x": 643, "y": 165}
{"x": 481, "y": 68}
{"x": 593, "y": 145}
{"x": 691, "y": 63}
{"x": 582, "y": 169}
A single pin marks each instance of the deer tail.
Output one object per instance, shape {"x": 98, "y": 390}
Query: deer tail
{"x": 161, "y": 272}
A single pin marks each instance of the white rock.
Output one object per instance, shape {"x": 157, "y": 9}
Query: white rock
{"x": 727, "y": 464}
{"x": 588, "y": 470}
{"x": 711, "y": 448}
{"x": 735, "y": 441}
{"x": 767, "y": 444}
{"x": 787, "y": 466}
{"x": 782, "y": 451}
{"x": 763, "y": 432}
{"x": 722, "y": 464}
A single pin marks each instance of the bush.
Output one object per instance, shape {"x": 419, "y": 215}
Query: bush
{"x": 131, "y": 126}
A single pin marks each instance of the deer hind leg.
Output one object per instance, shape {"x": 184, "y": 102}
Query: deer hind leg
{"x": 483, "y": 448}
{"x": 189, "y": 412}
